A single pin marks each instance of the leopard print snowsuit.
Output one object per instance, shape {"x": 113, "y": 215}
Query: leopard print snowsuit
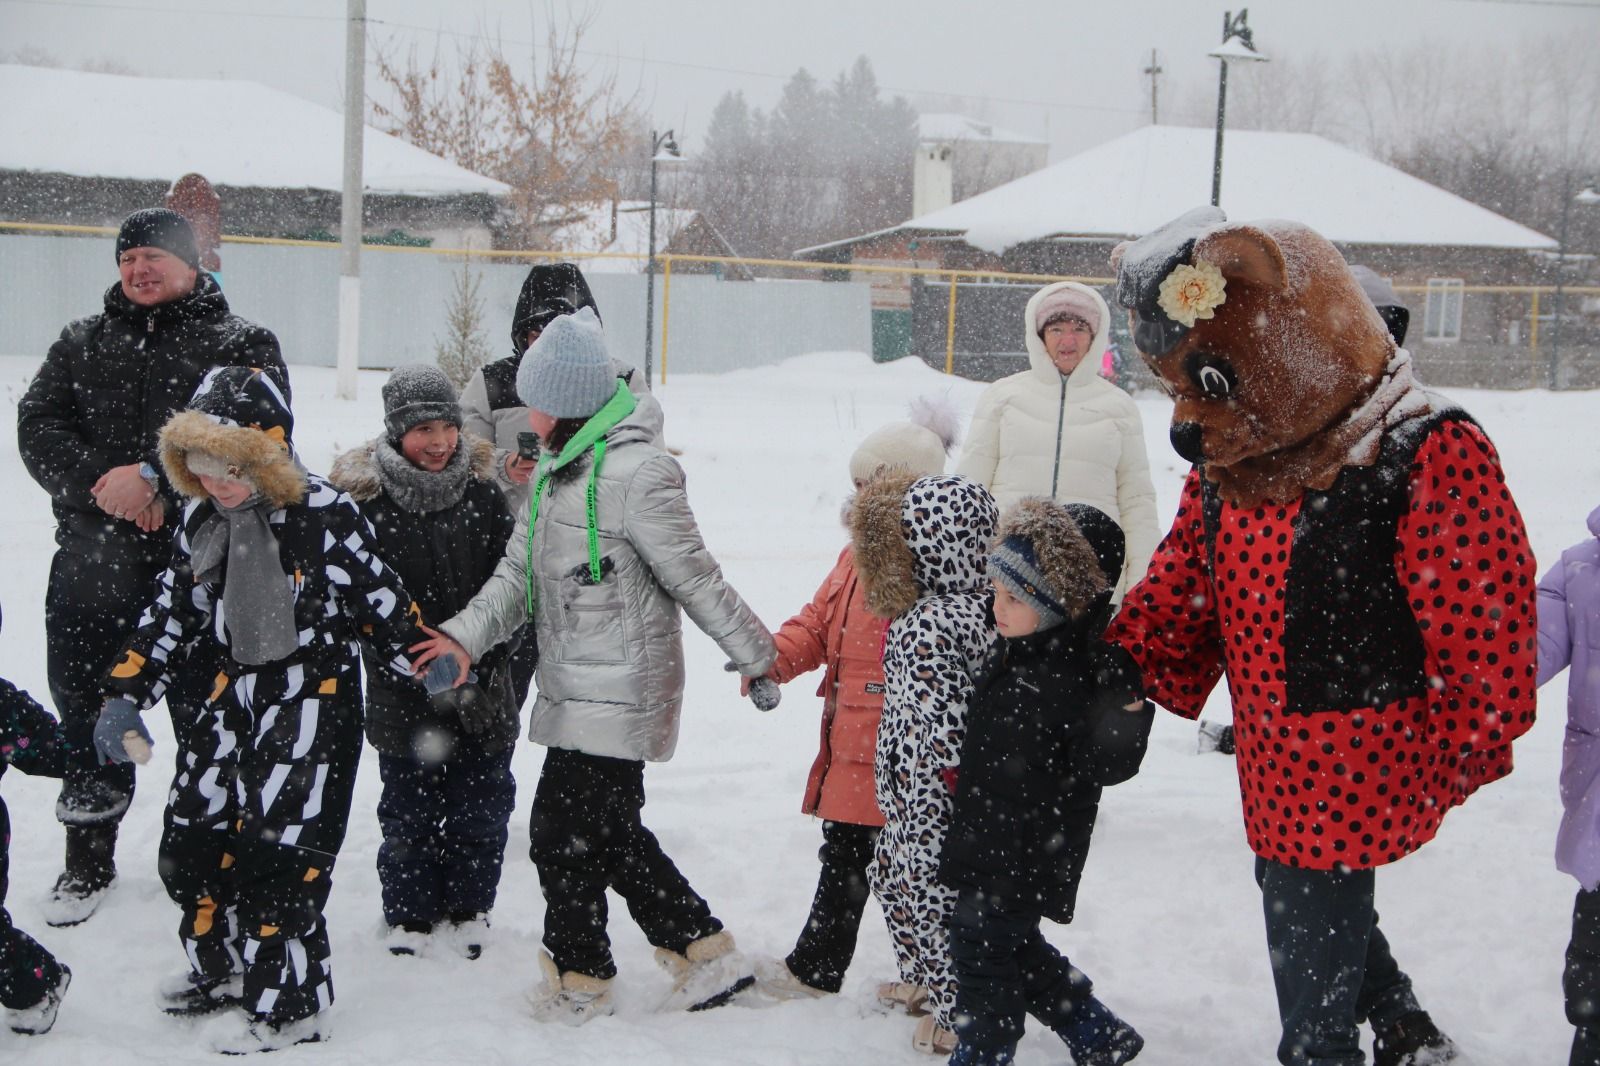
{"x": 921, "y": 548}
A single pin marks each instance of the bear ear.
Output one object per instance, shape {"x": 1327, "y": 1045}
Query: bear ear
{"x": 1116, "y": 255}
{"x": 1244, "y": 253}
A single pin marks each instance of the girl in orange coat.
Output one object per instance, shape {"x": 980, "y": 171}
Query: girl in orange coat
{"x": 837, "y": 631}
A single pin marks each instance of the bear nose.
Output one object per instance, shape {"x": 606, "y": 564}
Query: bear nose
{"x": 1186, "y": 440}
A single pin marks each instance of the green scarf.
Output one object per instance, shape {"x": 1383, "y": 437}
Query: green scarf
{"x": 591, "y": 436}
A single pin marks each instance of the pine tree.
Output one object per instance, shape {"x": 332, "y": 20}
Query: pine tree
{"x": 463, "y": 349}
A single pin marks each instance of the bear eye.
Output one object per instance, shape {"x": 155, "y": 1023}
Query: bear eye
{"x": 1212, "y": 375}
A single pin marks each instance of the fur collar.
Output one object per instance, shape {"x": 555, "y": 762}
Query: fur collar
{"x": 883, "y": 559}
{"x": 359, "y": 472}
{"x": 267, "y": 463}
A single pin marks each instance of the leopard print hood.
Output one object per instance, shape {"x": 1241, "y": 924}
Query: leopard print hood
{"x": 916, "y": 537}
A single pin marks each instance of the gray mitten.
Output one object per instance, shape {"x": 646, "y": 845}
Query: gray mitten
{"x": 440, "y": 675}
{"x": 119, "y": 733}
{"x": 764, "y": 692}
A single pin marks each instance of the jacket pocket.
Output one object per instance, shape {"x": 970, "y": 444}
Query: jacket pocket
{"x": 593, "y": 612}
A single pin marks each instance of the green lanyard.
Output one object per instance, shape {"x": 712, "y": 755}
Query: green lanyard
{"x": 592, "y": 435}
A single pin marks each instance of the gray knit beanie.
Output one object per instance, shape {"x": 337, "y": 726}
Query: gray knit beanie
{"x": 567, "y": 372}
{"x": 417, "y": 394}
{"x": 1014, "y": 563}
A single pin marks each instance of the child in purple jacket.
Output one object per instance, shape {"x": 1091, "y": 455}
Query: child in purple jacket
{"x": 1569, "y": 634}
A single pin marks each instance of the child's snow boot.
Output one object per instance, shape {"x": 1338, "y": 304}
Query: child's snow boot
{"x": 897, "y": 995}
{"x": 1411, "y": 1040}
{"x": 243, "y": 1034}
{"x": 1097, "y": 1037}
{"x": 408, "y": 938}
{"x": 931, "y": 1038}
{"x": 468, "y": 932}
{"x": 774, "y": 977}
{"x": 570, "y": 998}
{"x": 37, "y": 1019}
{"x": 188, "y": 994}
{"x": 709, "y": 973}
{"x": 89, "y": 874}
{"x": 967, "y": 1054}
{"x": 1215, "y": 736}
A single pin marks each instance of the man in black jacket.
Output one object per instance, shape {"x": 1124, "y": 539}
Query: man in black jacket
{"x": 86, "y": 429}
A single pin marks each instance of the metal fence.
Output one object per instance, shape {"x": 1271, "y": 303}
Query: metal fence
{"x": 965, "y": 322}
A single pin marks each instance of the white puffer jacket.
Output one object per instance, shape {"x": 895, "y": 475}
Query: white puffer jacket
{"x": 1075, "y": 437}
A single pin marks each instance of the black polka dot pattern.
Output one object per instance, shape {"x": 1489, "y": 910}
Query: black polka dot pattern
{"x": 1367, "y": 786}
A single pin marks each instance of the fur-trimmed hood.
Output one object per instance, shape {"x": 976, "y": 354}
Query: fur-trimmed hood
{"x": 914, "y": 537}
{"x": 241, "y": 417}
{"x": 1080, "y": 572}
{"x": 356, "y": 471}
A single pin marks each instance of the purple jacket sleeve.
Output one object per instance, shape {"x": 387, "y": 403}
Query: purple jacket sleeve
{"x": 1555, "y": 640}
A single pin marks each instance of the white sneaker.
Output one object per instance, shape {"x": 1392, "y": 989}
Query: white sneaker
{"x": 568, "y": 998}
{"x": 72, "y": 901}
{"x": 242, "y": 1034}
{"x": 187, "y": 994}
{"x": 37, "y": 1019}
{"x": 467, "y": 936}
{"x": 774, "y": 977}
{"x": 709, "y": 973}
{"x": 402, "y": 941}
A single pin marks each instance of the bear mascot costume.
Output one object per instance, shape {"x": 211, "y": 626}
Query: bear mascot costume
{"x": 1347, "y": 553}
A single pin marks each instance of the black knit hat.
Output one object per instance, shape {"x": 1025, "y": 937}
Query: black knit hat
{"x": 417, "y": 394}
{"x": 156, "y": 227}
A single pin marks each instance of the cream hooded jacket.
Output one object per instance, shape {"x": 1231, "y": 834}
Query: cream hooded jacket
{"x": 1075, "y": 437}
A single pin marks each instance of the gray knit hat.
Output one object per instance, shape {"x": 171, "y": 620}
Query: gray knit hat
{"x": 567, "y": 372}
{"x": 417, "y": 394}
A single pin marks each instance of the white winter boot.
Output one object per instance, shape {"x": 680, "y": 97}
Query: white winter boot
{"x": 898, "y": 995}
{"x": 774, "y": 978}
{"x": 569, "y": 998}
{"x": 709, "y": 973}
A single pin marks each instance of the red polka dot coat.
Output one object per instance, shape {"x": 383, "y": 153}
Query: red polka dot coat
{"x": 1379, "y": 640}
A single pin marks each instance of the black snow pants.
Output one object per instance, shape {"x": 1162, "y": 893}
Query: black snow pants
{"x": 586, "y": 836}
{"x": 254, "y": 822}
{"x": 826, "y": 945}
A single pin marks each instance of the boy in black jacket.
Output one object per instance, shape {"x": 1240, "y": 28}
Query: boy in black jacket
{"x": 32, "y": 982}
{"x": 441, "y": 521}
{"x": 1055, "y": 716}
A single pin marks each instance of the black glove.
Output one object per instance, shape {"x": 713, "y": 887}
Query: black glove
{"x": 469, "y": 703}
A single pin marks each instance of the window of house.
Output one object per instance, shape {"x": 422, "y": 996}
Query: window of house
{"x": 1441, "y": 317}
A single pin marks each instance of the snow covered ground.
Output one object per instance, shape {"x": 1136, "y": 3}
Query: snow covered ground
{"x": 1169, "y": 918}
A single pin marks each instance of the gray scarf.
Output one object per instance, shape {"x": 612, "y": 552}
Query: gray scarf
{"x": 422, "y": 491}
{"x": 257, "y": 603}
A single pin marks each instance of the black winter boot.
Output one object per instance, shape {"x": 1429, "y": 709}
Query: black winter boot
{"x": 1412, "y": 1040}
{"x": 90, "y": 871}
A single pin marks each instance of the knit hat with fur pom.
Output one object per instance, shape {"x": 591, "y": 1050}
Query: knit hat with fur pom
{"x": 920, "y": 445}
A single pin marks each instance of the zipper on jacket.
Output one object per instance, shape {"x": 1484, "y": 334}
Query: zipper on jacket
{"x": 1061, "y": 419}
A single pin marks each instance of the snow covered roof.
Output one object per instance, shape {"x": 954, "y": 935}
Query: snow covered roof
{"x": 1135, "y": 183}
{"x": 946, "y": 126}
{"x": 592, "y": 233}
{"x": 235, "y": 133}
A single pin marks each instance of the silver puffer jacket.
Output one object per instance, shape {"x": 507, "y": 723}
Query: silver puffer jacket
{"x": 611, "y": 673}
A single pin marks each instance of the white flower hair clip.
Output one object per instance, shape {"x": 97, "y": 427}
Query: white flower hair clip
{"x": 1192, "y": 292}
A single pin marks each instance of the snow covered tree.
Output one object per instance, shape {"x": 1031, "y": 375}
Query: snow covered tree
{"x": 463, "y": 349}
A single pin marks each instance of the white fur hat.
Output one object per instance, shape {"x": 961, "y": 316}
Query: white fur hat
{"x": 920, "y": 445}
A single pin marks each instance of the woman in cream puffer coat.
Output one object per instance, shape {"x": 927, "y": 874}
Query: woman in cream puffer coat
{"x": 1074, "y": 436}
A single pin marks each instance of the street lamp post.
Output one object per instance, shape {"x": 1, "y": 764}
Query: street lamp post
{"x": 663, "y": 149}
{"x": 1237, "y": 44}
{"x": 1588, "y": 197}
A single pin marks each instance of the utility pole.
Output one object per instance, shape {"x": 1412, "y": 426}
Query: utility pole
{"x": 355, "y": 103}
{"x": 1155, "y": 71}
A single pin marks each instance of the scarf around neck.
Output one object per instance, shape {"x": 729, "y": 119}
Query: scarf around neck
{"x": 417, "y": 490}
{"x": 236, "y": 548}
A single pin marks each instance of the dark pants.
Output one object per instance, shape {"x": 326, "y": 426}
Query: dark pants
{"x": 586, "y": 836}
{"x": 257, "y": 814}
{"x": 444, "y": 833}
{"x": 1580, "y": 982}
{"x": 27, "y": 971}
{"x": 828, "y": 942}
{"x": 1005, "y": 969}
{"x": 92, "y": 604}
{"x": 1331, "y": 964}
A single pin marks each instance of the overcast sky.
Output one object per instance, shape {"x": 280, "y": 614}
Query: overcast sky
{"x": 1061, "y": 70}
